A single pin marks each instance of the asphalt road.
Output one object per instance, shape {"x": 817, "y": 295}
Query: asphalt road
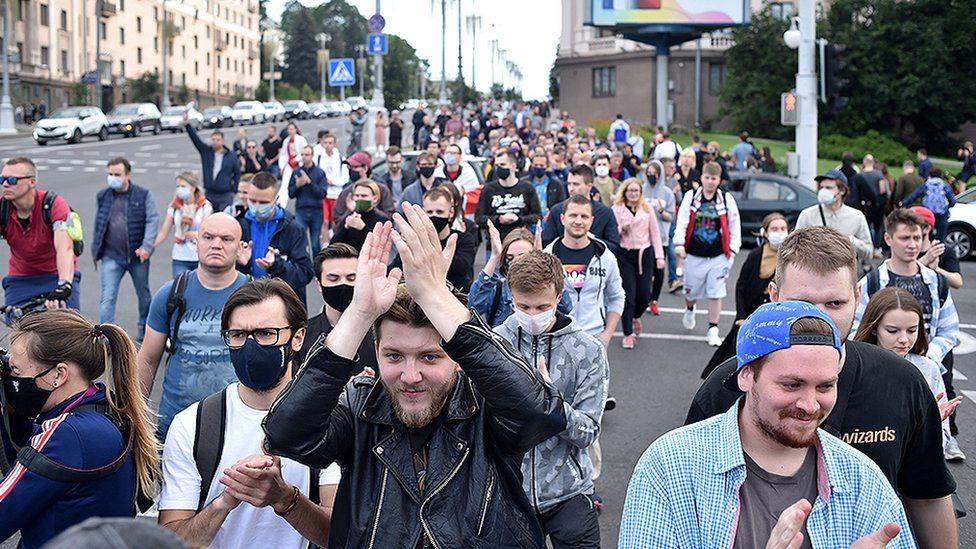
{"x": 653, "y": 384}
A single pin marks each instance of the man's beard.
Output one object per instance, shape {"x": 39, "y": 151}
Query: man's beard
{"x": 781, "y": 433}
{"x": 415, "y": 419}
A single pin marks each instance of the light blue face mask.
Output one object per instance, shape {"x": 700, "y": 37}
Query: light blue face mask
{"x": 184, "y": 193}
{"x": 261, "y": 211}
{"x": 114, "y": 182}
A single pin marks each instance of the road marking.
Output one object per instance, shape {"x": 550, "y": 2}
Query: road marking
{"x": 89, "y": 169}
{"x": 968, "y": 326}
{"x": 698, "y": 310}
{"x": 966, "y": 345}
{"x": 970, "y": 394}
{"x": 139, "y": 170}
{"x": 65, "y": 168}
{"x": 669, "y": 337}
{"x": 150, "y": 147}
{"x": 957, "y": 375}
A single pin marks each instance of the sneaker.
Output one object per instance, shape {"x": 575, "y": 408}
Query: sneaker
{"x": 609, "y": 404}
{"x": 952, "y": 451}
{"x": 675, "y": 286}
{"x": 679, "y": 272}
{"x": 628, "y": 342}
{"x": 638, "y": 326}
{"x": 654, "y": 309}
{"x": 688, "y": 320}
{"x": 714, "y": 340}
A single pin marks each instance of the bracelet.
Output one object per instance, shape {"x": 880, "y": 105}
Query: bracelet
{"x": 291, "y": 504}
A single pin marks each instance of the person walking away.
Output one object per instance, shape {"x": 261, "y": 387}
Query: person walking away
{"x": 396, "y": 129}
{"x": 308, "y": 186}
{"x": 290, "y": 158}
{"x": 184, "y": 216}
{"x": 96, "y": 441}
{"x": 706, "y": 237}
{"x": 906, "y": 184}
{"x": 274, "y": 244}
{"x": 662, "y": 201}
{"x": 42, "y": 257}
{"x": 557, "y": 473}
{"x": 220, "y": 166}
{"x": 640, "y": 244}
{"x": 271, "y": 149}
{"x": 937, "y": 197}
{"x": 124, "y": 238}
{"x": 619, "y": 130}
{"x": 867, "y": 189}
{"x": 184, "y": 321}
{"x": 832, "y": 211}
{"x": 507, "y": 202}
{"x": 417, "y": 121}
{"x": 742, "y": 151}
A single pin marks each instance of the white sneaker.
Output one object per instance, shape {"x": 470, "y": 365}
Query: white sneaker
{"x": 688, "y": 320}
{"x": 679, "y": 272}
{"x": 953, "y": 452}
{"x": 714, "y": 340}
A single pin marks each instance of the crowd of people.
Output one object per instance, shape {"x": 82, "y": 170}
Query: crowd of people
{"x": 430, "y": 403}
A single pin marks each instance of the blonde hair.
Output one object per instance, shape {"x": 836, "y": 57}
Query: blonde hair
{"x": 191, "y": 179}
{"x": 622, "y": 193}
{"x": 369, "y": 184}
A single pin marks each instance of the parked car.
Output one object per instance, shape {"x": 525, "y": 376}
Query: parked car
{"x": 274, "y": 110}
{"x": 172, "y": 118}
{"x": 760, "y": 194}
{"x": 962, "y": 224}
{"x": 71, "y": 124}
{"x": 218, "y": 117}
{"x": 337, "y": 108}
{"x": 131, "y": 119}
{"x": 316, "y": 110}
{"x": 249, "y": 112}
{"x": 356, "y": 102}
{"x": 296, "y": 109}
{"x": 410, "y": 104}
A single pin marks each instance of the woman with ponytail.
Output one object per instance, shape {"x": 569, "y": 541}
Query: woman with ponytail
{"x": 78, "y": 449}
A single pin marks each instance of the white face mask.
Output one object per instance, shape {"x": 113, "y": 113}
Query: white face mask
{"x": 826, "y": 196}
{"x": 535, "y": 324}
{"x": 775, "y": 239}
{"x": 602, "y": 171}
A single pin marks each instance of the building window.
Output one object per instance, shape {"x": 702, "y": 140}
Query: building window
{"x": 156, "y": 44}
{"x": 604, "y": 81}
{"x": 45, "y": 55}
{"x": 183, "y": 79}
{"x": 208, "y": 32}
{"x": 716, "y": 77}
{"x": 196, "y": 42}
{"x": 155, "y": 14}
{"x": 64, "y": 61}
{"x": 218, "y": 64}
{"x": 782, "y": 11}
{"x": 122, "y": 35}
{"x": 208, "y": 58}
{"x": 122, "y": 67}
{"x": 196, "y": 68}
{"x": 138, "y": 55}
{"x": 208, "y": 84}
{"x": 44, "y": 15}
{"x": 121, "y": 5}
{"x": 138, "y": 24}
{"x": 64, "y": 20}
{"x": 21, "y": 8}
{"x": 104, "y": 29}
{"x": 183, "y": 22}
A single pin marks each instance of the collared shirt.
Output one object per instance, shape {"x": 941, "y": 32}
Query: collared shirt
{"x": 685, "y": 492}
{"x": 845, "y": 220}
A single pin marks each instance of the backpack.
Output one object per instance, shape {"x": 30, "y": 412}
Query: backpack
{"x": 73, "y": 223}
{"x": 874, "y": 284}
{"x": 176, "y": 304}
{"x": 208, "y": 445}
{"x": 935, "y": 198}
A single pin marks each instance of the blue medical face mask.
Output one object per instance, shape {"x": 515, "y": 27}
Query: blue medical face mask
{"x": 260, "y": 367}
{"x": 261, "y": 211}
{"x": 184, "y": 193}
{"x": 114, "y": 182}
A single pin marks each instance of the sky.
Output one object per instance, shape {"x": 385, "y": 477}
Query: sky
{"x": 527, "y": 29}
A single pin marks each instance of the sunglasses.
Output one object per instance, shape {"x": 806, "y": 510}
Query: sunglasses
{"x": 12, "y": 179}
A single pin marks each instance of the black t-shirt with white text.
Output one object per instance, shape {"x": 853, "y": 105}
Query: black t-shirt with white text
{"x": 575, "y": 263}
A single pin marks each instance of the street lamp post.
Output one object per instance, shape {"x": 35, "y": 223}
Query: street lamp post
{"x": 322, "y": 38}
{"x": 166, "y": 34}
{"x": 98, "y": 53}
{"x": 6, "y": 109}
{"x": 378, "y": 73}
{"x": 361, "y": 48}
{"x": 460, "y": 73}
{"x": 474, "y": 25}
{"x": 442, "y": 98}
{"x": 806, "y": 89}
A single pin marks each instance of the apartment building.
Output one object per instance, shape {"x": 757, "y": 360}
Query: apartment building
{"x": 602, "y": 74}
{"x": 213, "y": 52}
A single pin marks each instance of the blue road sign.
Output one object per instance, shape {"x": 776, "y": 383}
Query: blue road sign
{"x": 342, "y": 72}
{"x": 377, "y": 44}
{"x": 89, "y": 77}
{"x": 376, "y": 23}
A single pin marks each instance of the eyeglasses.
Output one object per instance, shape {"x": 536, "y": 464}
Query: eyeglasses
{"x": 12, "y": 180}
{"x": 269, "y": 337}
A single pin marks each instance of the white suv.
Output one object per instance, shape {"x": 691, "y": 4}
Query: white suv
{"x": 71, "y": 124}
{"x": 274, "y": 110}
{"x": 249, "y": 112}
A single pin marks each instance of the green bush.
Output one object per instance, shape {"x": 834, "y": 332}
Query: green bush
{"x": 884, "y": 148}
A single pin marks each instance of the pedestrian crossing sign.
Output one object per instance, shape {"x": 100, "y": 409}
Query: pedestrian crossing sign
{"x": 342, "y": 72}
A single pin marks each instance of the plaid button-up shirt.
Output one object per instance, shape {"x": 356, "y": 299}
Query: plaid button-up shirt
{"x": 685, "y": 492}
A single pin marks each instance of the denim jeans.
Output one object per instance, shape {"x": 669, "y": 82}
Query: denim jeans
{"x": 179, "y": 266}
{"x": 112, "y": 271}
{"x": 672, "y": 259}
{"x": 312, "y": 219}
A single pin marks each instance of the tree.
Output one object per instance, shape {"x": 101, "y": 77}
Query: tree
{"x": 400, "y": 68}
{"x": 554, "y": 79}
{"x": 145, "y": 88}
{"x": 79, "y": 94}
{"x": 183, "y": 94}
{"x": 300, "y": 45}
{"x": 759, "y": 67}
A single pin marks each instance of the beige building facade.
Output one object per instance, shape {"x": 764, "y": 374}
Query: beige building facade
{"x": 214, "y": 48}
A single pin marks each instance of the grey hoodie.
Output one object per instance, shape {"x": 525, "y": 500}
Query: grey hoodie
{"x": 560, "y": 468}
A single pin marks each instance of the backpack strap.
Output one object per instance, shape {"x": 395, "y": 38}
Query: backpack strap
{"x": 46, "y": 205}
{"x": 176, "y": 304}
{"x": 823, "y": 219}
{"x": 943, "y": 289}
{"x": 874, "y": 282}
{"x": 4, "y": 215}
{"x": 208, "y": 441}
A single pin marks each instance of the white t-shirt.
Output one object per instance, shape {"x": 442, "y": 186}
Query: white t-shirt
{"x": 187, "y": 250}
{"x": 666, "y": 149}
{"x": 336, "y": 172}
{"x": 245, "y": 526}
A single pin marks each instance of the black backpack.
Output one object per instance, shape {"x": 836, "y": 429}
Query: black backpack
{"x": 176, "y": 304}
{"x": 874, "y": 284}
{"x": 46, "y": 205}
{"x": 208, "y": 445}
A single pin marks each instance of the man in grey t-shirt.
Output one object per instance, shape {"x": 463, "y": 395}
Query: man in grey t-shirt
{"x": 764, "y": 495}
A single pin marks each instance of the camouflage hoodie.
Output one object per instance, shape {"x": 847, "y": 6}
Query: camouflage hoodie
{"x": 559, "y": 468}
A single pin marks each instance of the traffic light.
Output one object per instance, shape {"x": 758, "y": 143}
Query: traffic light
{"x": 832, "y": 67}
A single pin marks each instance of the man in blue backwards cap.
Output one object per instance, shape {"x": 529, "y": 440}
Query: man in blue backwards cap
{"x": 763, "y": 474}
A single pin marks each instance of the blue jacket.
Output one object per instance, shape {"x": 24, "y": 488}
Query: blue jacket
{"x": 414, "y": 192}
{"x": 230, "y": 168}
{"x": 41, "y": 508}
{"x": 141, "y": 216}
{"x": 604, "y": 225}
{"x": 309, "y": 196}
{"x": 290, "y": 239}
{"x": 486, "y": 290}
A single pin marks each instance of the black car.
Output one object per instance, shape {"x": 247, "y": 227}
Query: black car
{"x": 218, "y": 117}
{"x": 131, "y": 119}
{"x": 760, "y": 194}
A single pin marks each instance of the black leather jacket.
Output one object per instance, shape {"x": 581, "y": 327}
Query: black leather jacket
{"x": 498, "y": 410}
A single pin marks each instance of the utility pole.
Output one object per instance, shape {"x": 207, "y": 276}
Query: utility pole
{"x": 6, "y": 109}
{"x": 378, "y": 74}
{"x": 361, "y": 48}
{"x": 806, "y": 89}
{"x": 493, "y": 45}
{"x": 460, "y": 74}
{"x": 98, "y": 53}
{"x": 442, "y": 99}
{"x": 167, "y": 36}
{"x": 474, "y": 25}
{"x": 322, "y": 63}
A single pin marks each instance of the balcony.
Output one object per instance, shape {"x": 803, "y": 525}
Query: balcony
{"x": 220, "y": 45}
{"x": 108, "y": 9}
{"x": 252, "y": 54}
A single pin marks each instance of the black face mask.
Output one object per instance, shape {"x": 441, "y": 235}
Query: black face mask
{"x": 426, "y": 171}
{"x": 652, "y": 179}
{"x": 503, "y": 173}
{"x": 260, "y": 367}
{"x": 338, "y": 297}
{"x": 439, "y": 222}
{"x": 22, "y": 393}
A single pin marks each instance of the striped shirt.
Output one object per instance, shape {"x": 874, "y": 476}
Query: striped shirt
{"x": 685, "y": 492}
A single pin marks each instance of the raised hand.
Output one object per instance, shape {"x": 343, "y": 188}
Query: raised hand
{"x": 786, "y": 533}
{"x": 495, "y": 239}
{"x": 375, "y": 289}
{"x": 425, "y": 264}
{"x": 537, "y": 243}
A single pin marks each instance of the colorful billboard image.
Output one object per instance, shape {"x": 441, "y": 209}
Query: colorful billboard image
{"x": 717, "y": 13}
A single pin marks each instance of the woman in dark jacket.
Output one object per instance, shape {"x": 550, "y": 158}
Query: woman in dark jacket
{"x": 751, "y": 289}
{"x": 363, "y": 216}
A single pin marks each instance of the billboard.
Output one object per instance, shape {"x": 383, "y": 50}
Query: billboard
{"x": 717, "y": 13}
